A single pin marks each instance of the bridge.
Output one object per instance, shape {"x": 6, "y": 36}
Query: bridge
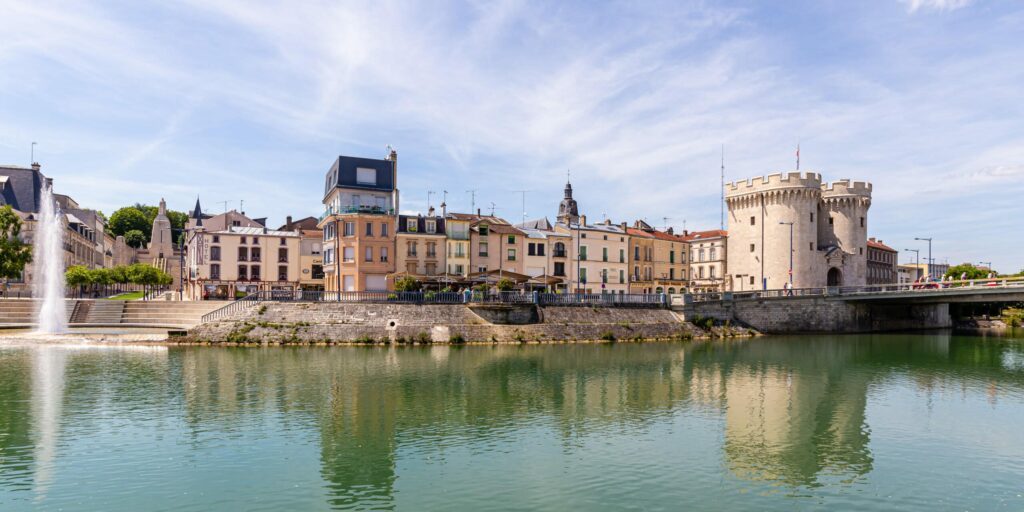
{"x": 851, "y": 308}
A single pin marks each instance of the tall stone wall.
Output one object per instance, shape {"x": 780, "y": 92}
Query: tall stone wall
{"x": 819, "y": 314}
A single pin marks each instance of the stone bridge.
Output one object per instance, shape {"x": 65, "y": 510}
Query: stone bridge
{"x": 850, "y": 309}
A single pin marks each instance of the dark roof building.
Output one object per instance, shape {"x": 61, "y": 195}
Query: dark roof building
{"x": 361, "y": 173}
{"x": 20, "y": 187}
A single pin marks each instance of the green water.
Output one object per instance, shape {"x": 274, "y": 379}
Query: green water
{"x": 887, "y": 422}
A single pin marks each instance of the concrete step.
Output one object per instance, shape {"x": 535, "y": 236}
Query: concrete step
{"x": 106, "y": 312}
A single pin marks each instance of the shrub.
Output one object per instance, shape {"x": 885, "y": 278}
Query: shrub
{"x": 407, "y": 284}
{"x": 456, "y": 338}
{"x": 261, "y": 310}
{"x": 422, "y": 337}
{"x": 608, "y": 336}
{"x": 365, "y": 339}
{"x": 505, "y": 285}
{"x": 240, "y": 334}
{"x": 519, "y": 337}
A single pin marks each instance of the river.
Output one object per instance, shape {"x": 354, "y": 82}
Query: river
{"x": 881, "y": 422}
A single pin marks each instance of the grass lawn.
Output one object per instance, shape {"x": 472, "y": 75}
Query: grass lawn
{"x": 127, "y": 296}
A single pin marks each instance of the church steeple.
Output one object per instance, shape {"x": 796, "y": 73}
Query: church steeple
{"x": 568, "y": 210}
{"x": 197, "y": 214}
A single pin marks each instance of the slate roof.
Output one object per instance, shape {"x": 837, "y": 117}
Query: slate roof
{"x": 421, "y": 225}
{"x": 22, "y": 187}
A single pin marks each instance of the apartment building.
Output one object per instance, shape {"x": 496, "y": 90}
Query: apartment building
{"x": 882, "y": 263}
{"x": 238, "y": 261}
{"x": 359, "y": 223}
{"x": 495, "y": 245}
{"x": 707, "y": 267}
{"x": 657, "y": 260}
{"x": 421, "y": 245}
{"x": 547, "y": 255}
{"x": 457, "y": 251}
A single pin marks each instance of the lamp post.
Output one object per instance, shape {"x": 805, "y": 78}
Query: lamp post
{"x": 790, "y": 252}
{"x": 917, "y": 257}
{"x": 929, "y": 240}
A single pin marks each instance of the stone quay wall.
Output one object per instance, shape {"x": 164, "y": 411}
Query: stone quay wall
{"x": 792, "y": 315}
{"x": 330, "y": 323}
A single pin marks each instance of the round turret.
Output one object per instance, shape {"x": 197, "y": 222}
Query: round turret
{"x": 844, "y": 225}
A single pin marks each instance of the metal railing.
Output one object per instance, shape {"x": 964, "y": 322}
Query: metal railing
{"x": 465, "y": 297}
{"x": 927, "y": 287}
{"x": 231, "y": 308}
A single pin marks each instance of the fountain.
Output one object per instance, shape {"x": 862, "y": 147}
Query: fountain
{"x": 48, "y": 266}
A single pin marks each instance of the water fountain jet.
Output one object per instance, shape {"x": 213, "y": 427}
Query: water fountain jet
{"x": 48, "y": 266}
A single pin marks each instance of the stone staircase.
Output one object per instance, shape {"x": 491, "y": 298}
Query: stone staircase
{"x": 105, "y": 312}
{"x": 167, "y": 313}
{"x": 23, "y": 311}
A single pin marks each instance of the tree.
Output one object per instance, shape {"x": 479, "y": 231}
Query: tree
{"x": 505, "y": 285}
{"x": 971, "y": 271}
{"x": 14, "y": 252}
{"x": 135, "y": 238}
{"x": 77, "y": 276}
{"x": 128, "y": 219}
{"x": 406, "y": 284}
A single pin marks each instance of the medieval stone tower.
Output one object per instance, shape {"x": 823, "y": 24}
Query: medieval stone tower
{"x": 829, "y": 231}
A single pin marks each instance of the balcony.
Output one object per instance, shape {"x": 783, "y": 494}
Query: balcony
{"x": 558, "y": 254}
{"x": 373, "y": 210}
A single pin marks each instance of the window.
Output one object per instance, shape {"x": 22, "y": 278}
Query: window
{"x": 604, "y": 276}
{"x": 622, "y": 255}
{"x": 862, "y": 222}
{"x": 383, "y": 229}
{"x": 559, "y": 269}
{"x": 511, "y": 254}
{"x": 583, "y": 274}
{"x": 243, "y": 254}
{"x": 636, "y": 252}
{"x": 431, "y": 250}
{"x": 483, "y": 229}
{"x": 712, "y": 255}
{"x": 410, "y": 225}
{"x": 357, "y": 201}
{"x": 831, "y": 221}
{"x": 214, "y": 253}
{"x": 282, "y": 255}
{"x": 329, "y": 256}
{"x": 583, "y": 235}
{"x": 215, "y": 271}
{"x": 369, "y": 229}
{"x": 622, "y": 276}
{"x": 383, "y": 254}
{"x": 349, "y": 254}
{"x": 350, "y": 229}
{"x": 318, "y": 271}
{"x": 812, "y": 245}
{"x": 540, "y": 249}
{"x": 701, "y": 255}
{"x": 216, "y": 239}
{"x": 583, "y": 253}
{"x": 243, "y": 240}
{"x": 671, "y": 273}
{"x": 700, "y": 272}
{"x": 812, "y": 216}
{"x": 431, "y": 226}
{"x": 458, "y": 269}
{"x": 636, "y": 273}
{"x": 606, "y": 237}
{"x": 751, "y": 280}
{"x": 861, "y": 251}
{"x": 483, "y": 249}
{"x": 559, "y": 250}
{"x": 236, "y": 223}
{"x": 711, "y": 272}
{"x": 410, "y": 249}
{"x": 366, "y": 176}
{"x": 243, "y": 272}
{"x": 672, "y": 256}
{"x": 511, "y": 239}
{"x": 282, "y": 273}
{"x": 531, "y": 249}
{"x": 751, "y": 247}
{"x": 255, "y": 240}
{"x": 256, "y": 254}
{"x": 604, "y": 254}
{"x": 753, "y": 221}
{"x": 369, "y": 255}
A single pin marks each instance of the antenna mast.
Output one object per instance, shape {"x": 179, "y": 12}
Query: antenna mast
{"x": 523, "y": 192}
{"x": 472, "y": 201}
{"x": 721, "y": 206}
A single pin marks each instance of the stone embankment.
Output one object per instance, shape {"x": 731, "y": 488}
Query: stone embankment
{"x": 334, "y": 323}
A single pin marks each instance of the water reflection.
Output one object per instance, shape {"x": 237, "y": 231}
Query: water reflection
{"x": 792, "y": 412}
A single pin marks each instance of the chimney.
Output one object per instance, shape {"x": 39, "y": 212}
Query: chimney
{"x": 478, "y": 212}
{"x": 430, "y": 212}
{"x": 288, "y": 223}
{"x": 444, "y": 210}
{"x": 623, "y": 225}
{"x": 670, "y": 231}
{"x": 35, "y": 166}
{"x": 49, "y": 181}
{"x": 583, "y": 220}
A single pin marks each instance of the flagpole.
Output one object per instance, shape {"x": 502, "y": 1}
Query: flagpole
{"x": 798, "y": 156}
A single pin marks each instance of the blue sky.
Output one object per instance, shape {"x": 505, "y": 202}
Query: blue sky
{"x": 237, "y": 100}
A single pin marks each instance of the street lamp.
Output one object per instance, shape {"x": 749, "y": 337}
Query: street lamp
{"x": 929, "y": 240}
{"x": 917, "y": 257}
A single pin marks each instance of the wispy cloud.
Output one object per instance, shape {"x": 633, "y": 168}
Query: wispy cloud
{"x": 231, "y": 99}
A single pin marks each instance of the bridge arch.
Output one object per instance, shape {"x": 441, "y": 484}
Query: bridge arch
{"x": 835, "y": 277}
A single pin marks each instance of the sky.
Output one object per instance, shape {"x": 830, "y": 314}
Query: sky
{"x": 232, "y": 100}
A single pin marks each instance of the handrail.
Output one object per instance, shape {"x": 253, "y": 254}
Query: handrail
{"x": 937, "y": 287}
{"x": 232, "y": 307}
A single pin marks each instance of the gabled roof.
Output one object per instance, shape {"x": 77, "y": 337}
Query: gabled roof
{"x": 21, "y": 188}
{"x": 703, "y": 235}
{"x": 879, "y": 245}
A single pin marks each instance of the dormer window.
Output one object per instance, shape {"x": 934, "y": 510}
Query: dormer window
{"x": 431, "y": 226}
{"x": 410, "y": 225}
{"x": 484, "y": 231}
{"x": 366, "y": 176}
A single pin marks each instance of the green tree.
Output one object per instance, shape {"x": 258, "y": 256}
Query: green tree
{"x": 14, "y": 252}
{"x": 406, "y": 284}
{"x": 135, "y": 238}
{"x": 78, "y": 277}
{"x": 966, "y": 268}
{"x": 128, "y": 219}
{"x": 505, "y": 285}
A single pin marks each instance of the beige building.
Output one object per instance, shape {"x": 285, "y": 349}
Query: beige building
{"x": 238, "y": 261}
{"x": 599, "y": 263}
{"x": 708, "y": 257}
{"x": 829, "y": 231}
{"x": 495, "y": 245}
{"x": 657, "y": 260}
{"x": 548, "y": 254}
{"x": 359, "y": 223}
{"x": 311, "y": 260}
{"x": 421, "y": 245}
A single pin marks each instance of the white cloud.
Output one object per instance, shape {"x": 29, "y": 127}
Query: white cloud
{"x": 937, "y": 5}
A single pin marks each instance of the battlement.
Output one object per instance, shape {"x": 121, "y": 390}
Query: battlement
{"x": 810, "y": 180}
{"x": 846, "y": 187}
